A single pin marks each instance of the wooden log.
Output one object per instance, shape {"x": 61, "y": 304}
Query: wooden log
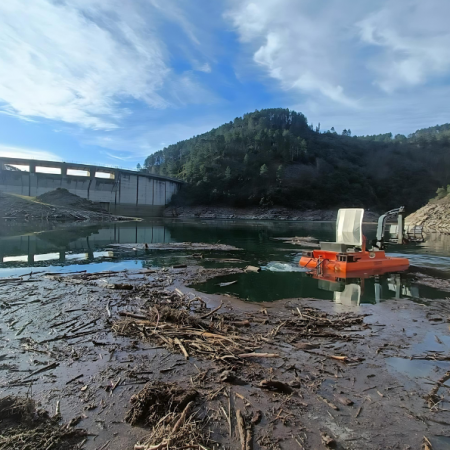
{"x": 252, "y": 269}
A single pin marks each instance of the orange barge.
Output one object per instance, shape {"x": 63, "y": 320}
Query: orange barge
{"x": 349, "y": 255}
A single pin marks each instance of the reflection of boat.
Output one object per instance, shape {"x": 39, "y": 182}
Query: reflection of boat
{"x": 367, "y": 288}
{"x": 349, "y": 255}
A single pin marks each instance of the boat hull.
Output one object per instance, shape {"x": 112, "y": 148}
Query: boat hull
{"x": 352, "y": 263}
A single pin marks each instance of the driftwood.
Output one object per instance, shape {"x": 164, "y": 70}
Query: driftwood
{"x": 326, "y": 401}
{"x": 241, "y": 429}
{"x": 183, "y": 349}
{"x": 259, "y": 355}
{"x": 43, "y": 369}
{"x": 229, "y": 283}
{"x": 432, "y": 396}
{"x": 212, "y": 312}
{"x": 178, "y": 246}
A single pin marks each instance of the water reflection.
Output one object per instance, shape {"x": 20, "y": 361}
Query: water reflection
{"x": 67, "y": 246}
{"x": 354, "y": 291}
{"x": 77, "y": 243}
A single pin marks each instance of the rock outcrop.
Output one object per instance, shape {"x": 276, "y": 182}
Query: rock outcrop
{"x": 435, "y": 216}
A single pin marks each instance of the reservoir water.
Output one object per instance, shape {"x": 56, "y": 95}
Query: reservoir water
{"x": 26, "y": 248}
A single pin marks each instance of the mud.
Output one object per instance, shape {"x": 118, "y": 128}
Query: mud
{"x": 67, "y": 208}
{"x": 320, "y": 374}
{"x": 256, "y": 213}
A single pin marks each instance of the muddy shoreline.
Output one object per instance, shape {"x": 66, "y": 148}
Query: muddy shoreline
{"x": 59, "y": 345}
{"x": 256, "y": 213}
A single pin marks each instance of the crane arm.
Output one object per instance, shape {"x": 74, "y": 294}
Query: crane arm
{"x": 382, "y": 224}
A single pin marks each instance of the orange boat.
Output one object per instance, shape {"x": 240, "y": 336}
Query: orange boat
{"x": 349, "y": 254}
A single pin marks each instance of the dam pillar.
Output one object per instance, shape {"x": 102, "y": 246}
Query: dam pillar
{"x": 32, "y": 179}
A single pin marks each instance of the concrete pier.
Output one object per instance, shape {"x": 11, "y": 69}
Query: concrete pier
{"x": 119, "y": 191}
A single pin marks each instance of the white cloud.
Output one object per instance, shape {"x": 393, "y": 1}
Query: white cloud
{"x": 9, "y": 151}
{"x": 296, "y": 45}
{"x": 171, "y": 10}
{"x": 81, "y": 61}
{"x": 345, "y": 51}
{"x": 204, "y": 68}
{"x": 414, "y": 42}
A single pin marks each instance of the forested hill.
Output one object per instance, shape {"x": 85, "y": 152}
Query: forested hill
{"x": 274, "y": 157}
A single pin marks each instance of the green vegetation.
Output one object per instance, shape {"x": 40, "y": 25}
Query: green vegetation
{"x": 274, "y": 157}
{"x": 442, "y": 192}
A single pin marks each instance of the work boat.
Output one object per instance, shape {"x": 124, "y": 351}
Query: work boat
{"x": 349, "y": 254}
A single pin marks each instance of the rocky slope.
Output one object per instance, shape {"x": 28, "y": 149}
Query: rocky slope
{"x": 435, "y": 216}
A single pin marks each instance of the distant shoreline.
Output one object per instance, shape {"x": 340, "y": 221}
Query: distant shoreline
{"x": 257, "y": 213}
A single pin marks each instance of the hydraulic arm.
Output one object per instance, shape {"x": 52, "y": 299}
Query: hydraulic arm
{"x": 379, "y": 241}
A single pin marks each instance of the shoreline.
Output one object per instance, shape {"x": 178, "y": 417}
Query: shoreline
{"x": 256, "y": 213}
{"x": 347, "y": 381}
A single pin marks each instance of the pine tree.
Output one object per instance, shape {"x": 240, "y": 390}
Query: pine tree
{"x": 263, "y": 170}
{"x": 279, "y": 172}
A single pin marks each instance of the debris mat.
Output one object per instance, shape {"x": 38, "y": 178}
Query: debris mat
{"x": 23, "y": 427}
{"x": 168, "y": 410}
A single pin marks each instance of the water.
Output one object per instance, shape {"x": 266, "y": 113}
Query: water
{"x": 67, "y": 248}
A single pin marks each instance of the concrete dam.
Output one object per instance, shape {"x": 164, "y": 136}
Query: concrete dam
{"x": 119, "y": 191}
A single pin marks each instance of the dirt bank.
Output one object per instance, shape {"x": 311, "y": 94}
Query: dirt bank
{"x": 256, "y": 213}
{"x": 139, "y": 360}
{"x": 435, "y": 216}
{"x": 58, "y": 205}
{"x": 62, "y": 197}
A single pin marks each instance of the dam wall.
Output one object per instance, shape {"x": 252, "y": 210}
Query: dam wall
{"x": 119, "y": 191}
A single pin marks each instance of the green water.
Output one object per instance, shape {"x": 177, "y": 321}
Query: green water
{"x": 63, "y": 248}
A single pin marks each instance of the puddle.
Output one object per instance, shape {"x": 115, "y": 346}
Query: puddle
{"x": 419, "y": 368}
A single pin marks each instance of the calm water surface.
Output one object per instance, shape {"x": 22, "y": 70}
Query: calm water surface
{"x": 79, "y": 247}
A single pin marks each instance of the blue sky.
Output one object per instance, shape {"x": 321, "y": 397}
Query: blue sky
{"x": 111, "y": 81}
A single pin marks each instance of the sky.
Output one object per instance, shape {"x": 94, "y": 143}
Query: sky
{"x": 109, "y": 82}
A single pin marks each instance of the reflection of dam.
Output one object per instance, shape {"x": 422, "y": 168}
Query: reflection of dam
{"x": 64, "y": 243}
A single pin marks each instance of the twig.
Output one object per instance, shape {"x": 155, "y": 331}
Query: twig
{"x": 241, "y": 428}
{"x": 43, "y": 369}
{"x": 212, "y": 312}
{"x": 183, "y": 349}
{"x": 75, "y": 378}
{"x": 226, "y": 417}
{"x": 259, "y": 355}
{"x": 182, "y": 418}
